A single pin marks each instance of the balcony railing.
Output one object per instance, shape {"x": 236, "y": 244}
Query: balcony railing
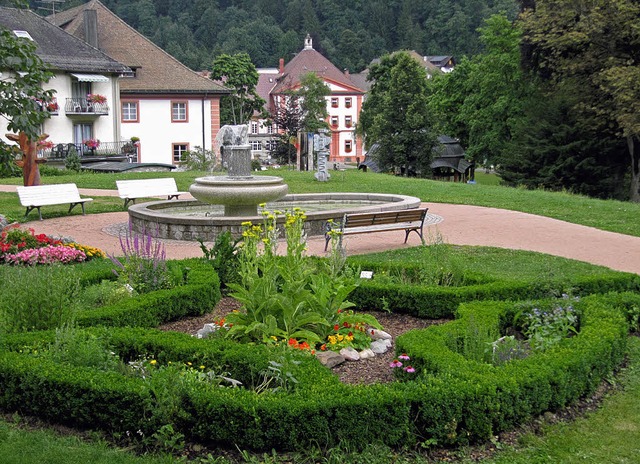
{"x": 105, "y": 150}
{"x": 84, "y": 106}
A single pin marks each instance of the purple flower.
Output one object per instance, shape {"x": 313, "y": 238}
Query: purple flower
{"x": 395, "y": 363}
{"x": 404, "y": 357}
{"x": 409, "y": 369}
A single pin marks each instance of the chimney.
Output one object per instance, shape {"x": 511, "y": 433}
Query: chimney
{"x": 91, "y": 27}
{"x": 281, "y": 70}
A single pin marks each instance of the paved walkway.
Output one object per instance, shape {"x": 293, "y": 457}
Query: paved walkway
{"x": 461, "y": 225}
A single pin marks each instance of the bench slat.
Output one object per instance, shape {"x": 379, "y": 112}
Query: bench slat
{"x": 363, "y": 223}
{"x": 130, "y": 190}
{"x": 33, "y": 197}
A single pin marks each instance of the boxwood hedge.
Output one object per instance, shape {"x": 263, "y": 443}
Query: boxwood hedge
{"x": 453, "y": 400}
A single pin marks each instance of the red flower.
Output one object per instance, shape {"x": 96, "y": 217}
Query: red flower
{"x": 336, "y": 327}
{"x": 345, "y": 324}
{"x": 293, "y": 342}
{"x": 350, "y": 334}
{"x": 323, "y": 347}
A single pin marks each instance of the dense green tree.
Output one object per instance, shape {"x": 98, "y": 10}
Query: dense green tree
{"x": 395, "y": 116}
{"x": 312, "y": 97}
{"x": 554, "y": 148}
{"x": 597, "y": 45}
{"x": 240, "y": 75}
{"x": 481, "y": 100}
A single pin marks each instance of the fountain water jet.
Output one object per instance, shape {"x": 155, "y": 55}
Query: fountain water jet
{"x": 239, "y": 191}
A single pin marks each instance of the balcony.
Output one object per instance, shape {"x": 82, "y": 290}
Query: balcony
{"x": 85, "y": 107}
{"x": 106, "y": 150}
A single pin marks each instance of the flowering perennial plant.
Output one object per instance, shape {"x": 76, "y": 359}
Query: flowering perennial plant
{"x": 47, "y": 255}
{"x": 91, "y": 144}
{"x": 143, "y": 266}
{"x": 286, "y": 297}
{"x": 547, "y": 327}
{"x": 96, "y": 98}
{"x": 402, "y": 368}
{"x": 14, "y": 239}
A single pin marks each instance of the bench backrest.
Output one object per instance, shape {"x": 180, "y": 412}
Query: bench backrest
{"x": 41, "y": 195}
{"x": 146, "y": 187}
{"x": 384, "y": 217}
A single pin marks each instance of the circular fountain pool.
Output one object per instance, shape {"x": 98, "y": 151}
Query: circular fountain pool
{"x": 193, "y": 220}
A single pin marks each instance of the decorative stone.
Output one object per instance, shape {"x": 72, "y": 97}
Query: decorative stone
{"x": 380, "y": 346}
{"x": 330, "y": 359}
{"x": 206, "y": 330}
{"x": 376, "y": 334}
{"x": 350, "y": 354}
{"x": 367, "y": 353}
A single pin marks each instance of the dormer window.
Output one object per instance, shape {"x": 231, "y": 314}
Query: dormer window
{"x": 23, "y": 34}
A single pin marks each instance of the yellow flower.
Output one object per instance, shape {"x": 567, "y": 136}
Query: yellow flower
{"x": 153, "y": 362}
{"x": 201, "y": 367}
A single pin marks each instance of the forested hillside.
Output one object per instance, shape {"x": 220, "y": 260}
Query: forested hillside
{"x": 349, "y": 33}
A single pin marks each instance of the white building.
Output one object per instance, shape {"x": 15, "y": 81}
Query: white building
{"x": 86, "y": 84}
{"x": 168, "y": 106}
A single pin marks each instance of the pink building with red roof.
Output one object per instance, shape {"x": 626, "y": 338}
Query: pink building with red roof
{"x": 343, "y": 103}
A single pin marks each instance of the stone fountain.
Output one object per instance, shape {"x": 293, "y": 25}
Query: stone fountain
{"x": 239, "y": 192}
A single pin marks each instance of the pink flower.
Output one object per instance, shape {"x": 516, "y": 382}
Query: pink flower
{"x": 395, "y": 363}
{"x": 409, "y": 369}
{"x": 404, "y": 357}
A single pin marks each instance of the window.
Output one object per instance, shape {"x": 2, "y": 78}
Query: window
{"x": 178, "y": 151}
{"x": 334, "y": 121}
{"x": 130, "y": 112}
{"x": 348, "y": 121}
{"x": 254, "y": 127}
{"x": 334, "y": 102}
{"x": 270, "y": 129}
{"x": 348, "y": 144}
{"x": 179, "y": 112}
{"x": 347, "y": 102}
{"x": 256, "y": 145}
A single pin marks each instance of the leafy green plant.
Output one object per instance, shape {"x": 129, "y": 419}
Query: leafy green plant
{"x": 38, "y": 298}
{"x": 78, "y": 347}
{"x": 105, "y": 293}
{"x": 546, "y": 327}
{"x": 72, "y": 161}
{"x": 224, "y": 258}
{"x": 287, "y": 297}
{"x": 506, "y": 349}
{"x": 199, "y": 160}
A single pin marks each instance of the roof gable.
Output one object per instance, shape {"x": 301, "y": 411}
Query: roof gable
{"x": 309, "y": 60}
{"x": 57, "y": 48}
{"x": 156, "y": 70}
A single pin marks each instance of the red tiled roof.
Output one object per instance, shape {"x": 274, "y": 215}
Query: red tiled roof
{"x": 156, "y": 70}
{"x": 309, "y": 60}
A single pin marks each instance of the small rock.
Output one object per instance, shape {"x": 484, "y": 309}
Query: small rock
{"x": 380, "y": 346}
{"x": 350, "y": 354}
{"x": 367, "y": 353}
{"x": 329, "y": 359}
{"x": 206, "y": 330}
{"x": 376, "y": 334}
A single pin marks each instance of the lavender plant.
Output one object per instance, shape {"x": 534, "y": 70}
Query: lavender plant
{"x": 143, "y": 266}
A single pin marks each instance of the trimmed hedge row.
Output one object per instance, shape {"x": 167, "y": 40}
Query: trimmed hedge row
{"x": 442, "y": 302}
{"x": 483, "y": 399}
{"x": 199, "y": 294}
{"x": 453, "y": 400}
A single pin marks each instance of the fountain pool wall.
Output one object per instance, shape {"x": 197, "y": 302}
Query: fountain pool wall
{"x": 179, "y": 220}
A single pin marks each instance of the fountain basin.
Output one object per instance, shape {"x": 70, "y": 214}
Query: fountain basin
{"x": 193, "y": 220}
{"x": 240, "y": 195}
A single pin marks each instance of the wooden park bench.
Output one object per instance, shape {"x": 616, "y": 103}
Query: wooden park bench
{"x": 130, "y": 190}
{"x": 409, "y": 220}
{"x": 34, "y": 197}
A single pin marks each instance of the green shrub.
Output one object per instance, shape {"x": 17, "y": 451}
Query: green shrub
{"x": 38, "y": 298}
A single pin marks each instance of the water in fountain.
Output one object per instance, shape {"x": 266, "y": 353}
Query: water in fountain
{"x": 239, "y": 191}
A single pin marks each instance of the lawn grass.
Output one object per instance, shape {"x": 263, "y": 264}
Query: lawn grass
{"x": 611, "y": 215}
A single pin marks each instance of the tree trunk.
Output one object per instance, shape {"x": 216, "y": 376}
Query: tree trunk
{"x": 634, "y": 194}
